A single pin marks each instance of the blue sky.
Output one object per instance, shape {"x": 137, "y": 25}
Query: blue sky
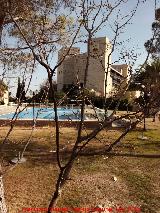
{"x": 139, "y": 32}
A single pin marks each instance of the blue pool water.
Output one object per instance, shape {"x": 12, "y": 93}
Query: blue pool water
{"x": 45, "y": 113}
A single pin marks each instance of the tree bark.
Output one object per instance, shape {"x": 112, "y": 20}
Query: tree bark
{"x": 62, "y": 178}
{"x": 2, "y": 17}
{"x": 144, "y": 126}
{"x": 3, "y": 208}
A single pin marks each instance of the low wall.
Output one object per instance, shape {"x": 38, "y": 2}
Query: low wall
{"x": 41, "y": 123}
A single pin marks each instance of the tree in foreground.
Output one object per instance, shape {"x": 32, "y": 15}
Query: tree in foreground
{"x": 40, "y": 34}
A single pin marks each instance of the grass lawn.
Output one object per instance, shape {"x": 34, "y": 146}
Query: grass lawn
{"x": 135, "y": 163}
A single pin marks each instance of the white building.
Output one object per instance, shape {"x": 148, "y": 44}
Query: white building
{"x": 101, "y": 75}
{"x": 6, "y": 97}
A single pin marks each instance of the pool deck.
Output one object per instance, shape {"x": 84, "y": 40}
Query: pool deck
{"x": 7, "y": 109}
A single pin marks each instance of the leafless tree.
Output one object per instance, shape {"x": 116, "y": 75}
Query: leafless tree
{"x": 39, "y": 36}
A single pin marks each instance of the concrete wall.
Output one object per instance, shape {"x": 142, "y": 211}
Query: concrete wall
{"x": 42, "y": 123}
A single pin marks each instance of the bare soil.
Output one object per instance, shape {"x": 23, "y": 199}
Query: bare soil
{"x": 134, "y": 163}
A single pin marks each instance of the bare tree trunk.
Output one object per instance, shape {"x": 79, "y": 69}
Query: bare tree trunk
{"x": 63, "y": 176}
{"x": 144, "y": 126}
{"x": 3, "y": 208}
{"x": 54, "y": 199}
{"x": 2, "y": 17}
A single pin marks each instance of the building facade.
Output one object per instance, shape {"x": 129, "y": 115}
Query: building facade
{"x": 101, "y": 76}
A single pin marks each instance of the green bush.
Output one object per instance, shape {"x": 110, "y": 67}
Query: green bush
{"x": 111, "y": 103}
{"x": 1, "y": 102}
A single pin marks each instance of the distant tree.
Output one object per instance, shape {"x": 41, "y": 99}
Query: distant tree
{"x": 72, "y": 91}
{"x": 44, "y": 93}
{"x": 3, "y": 87}
{"x": 20, "y": 90}
{"x": 12, "y": 99}
{"x": 148, "y": 82}
{"x": 153, "y": 45}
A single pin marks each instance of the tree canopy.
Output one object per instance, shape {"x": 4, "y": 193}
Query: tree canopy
{"x": 148, "y": 82}
{"x": 153, "y": 45}
{"x": 3, "y": 88}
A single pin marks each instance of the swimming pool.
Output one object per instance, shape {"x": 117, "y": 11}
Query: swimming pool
{"x": 45, "y": 113}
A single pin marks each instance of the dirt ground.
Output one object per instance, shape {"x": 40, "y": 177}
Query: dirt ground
{"x": 128, "y": 177}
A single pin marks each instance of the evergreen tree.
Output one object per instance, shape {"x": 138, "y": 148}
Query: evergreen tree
{"x": 153, "y": 45}
{"x": 3, "y": 87}
{"x": 147, "y": 81}
{"x": 20, "y": 90}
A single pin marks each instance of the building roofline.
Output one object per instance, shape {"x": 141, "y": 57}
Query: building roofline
{"x": 116, "y": 70}
{"x": 65, "y": 48}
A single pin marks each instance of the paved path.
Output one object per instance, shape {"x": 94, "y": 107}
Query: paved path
{"x": 6, "y": 109}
